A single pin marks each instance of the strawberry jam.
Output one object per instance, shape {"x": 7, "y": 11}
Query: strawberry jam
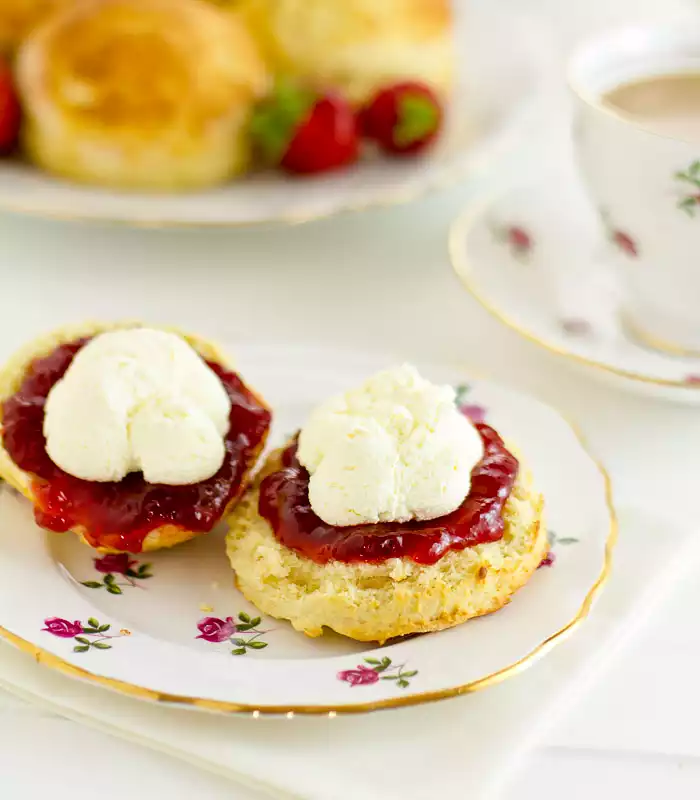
{"x": 121, "y": 514}
{"x": 284, "y": 503}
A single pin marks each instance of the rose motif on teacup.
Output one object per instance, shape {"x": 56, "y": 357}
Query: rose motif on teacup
{"x": 620, "y": 239}
{"x": 688, "y": 181}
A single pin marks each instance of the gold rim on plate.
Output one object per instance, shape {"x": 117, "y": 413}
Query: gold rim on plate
{"x": 57, "y": 663}
{"x": 461, "y": 265}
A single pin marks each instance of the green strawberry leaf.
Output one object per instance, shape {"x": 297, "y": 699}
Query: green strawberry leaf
{"x": 81, "y": 648}
{"x": 409, "y": 674}
{"x": 257, "y": 645}
{"x": 239, "y": 651}
{"x": 244, "y": 626}
{"x": 276, "y": 120}
{"x": 239, "y": 642}
{"x": 418, "y": 118}
{"x": 82, "y": 640}
{"x": 372, "y": 660}
{"x": 103, "y": 628}
{"x": 91, "y": 584}
{"x": 93, "y": 622}
{"x": 243, "y": 617}
{"x": 402, "y": 683}
{"x": 113, "y": 589}
{"x": 102, "y": 645}
{"x": 109, "y": 579}
{"x": 255, "y": 622}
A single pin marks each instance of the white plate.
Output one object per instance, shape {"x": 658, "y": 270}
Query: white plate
{"x": 539, "y": 259}
{"x": 155, "y": 652}
{"x": 501, "y": 65}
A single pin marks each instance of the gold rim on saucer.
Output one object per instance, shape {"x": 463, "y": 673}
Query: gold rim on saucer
{"x": 461, "y": 265}
{"x": 653, "y": 342}
{"x": 58, "y": 664}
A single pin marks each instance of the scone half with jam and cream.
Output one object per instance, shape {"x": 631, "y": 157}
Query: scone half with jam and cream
{"x": 390, "y": 514}
{"x": 135, "y": 438}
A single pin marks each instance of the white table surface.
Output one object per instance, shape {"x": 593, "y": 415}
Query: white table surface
{"x": 381, "y": 282}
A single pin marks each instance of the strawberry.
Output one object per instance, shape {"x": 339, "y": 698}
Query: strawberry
{"x": 305, "y": 132}
{"x": 403, "y": 119}
{"x": 10, "y": 112}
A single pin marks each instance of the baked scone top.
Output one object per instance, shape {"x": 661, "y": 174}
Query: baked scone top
{"x": 19, "y": 17}
{"x": 357, "y": 45}
{"x": 91, "y": 59}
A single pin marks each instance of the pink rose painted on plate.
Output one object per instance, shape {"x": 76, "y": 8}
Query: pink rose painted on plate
{"x": 216, "y": 631}
{"x": 88, "y": 635}
{"x": 213, "y": 629}
{"x": 114, "y": 562}
{"x": 62, "y": 627}
{"x": 361, "y": 676}
{"x": 122, "y": 564}
{"x": 378, "y": 669}
{"x": 476, "y": 413}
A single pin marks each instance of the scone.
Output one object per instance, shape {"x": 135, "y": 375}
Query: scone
{"x": 134, "y": 438}
{"x": 355, "y": 45}
{"x": 143, "y": 94}
{"x": 381, "y": 579}
{"x": 19, "y": 17}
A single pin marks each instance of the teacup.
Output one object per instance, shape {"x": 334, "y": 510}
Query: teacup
{"x": 643, "y": 172}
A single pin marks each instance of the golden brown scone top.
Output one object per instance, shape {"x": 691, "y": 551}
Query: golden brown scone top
{"x": 329, "y": 24}
{"x": 147, "y": 64}
{"x": 355, "y": 45}
{"x": 19, "y": 17}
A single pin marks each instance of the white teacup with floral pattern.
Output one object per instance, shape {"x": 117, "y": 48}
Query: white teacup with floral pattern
{"x": 646, "y": 185}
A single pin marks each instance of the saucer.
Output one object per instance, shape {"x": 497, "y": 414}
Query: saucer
{"x": 540, "y": 260}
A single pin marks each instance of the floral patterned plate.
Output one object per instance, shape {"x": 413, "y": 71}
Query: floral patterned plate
{"x": 501, "y": 64}
{"x": 171, "y": 627}
{"x": 542, "y": 261}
